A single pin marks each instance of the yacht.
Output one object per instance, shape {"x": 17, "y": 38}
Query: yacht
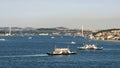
{"x": 61, "y": 51}
{"x": 90, "y": 47}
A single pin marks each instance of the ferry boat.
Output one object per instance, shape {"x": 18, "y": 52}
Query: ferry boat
{"x": 90, "y": 47}
{"x": 61, "y": 51}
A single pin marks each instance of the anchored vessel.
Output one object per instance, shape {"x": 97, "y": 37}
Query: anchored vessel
{"x": 90, "y": 47}
{"x": 61, "y": 51}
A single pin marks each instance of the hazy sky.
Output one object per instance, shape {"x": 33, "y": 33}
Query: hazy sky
{"x": 93, "y": 14}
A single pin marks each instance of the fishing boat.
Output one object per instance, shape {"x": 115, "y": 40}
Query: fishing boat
{"x": 61, "y": 51}
{"x": 90, "y": 47}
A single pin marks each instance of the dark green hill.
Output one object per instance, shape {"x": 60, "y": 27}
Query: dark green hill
{"x": 108, "y": 30}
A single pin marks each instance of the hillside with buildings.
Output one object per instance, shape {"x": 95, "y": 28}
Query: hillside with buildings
{"x": 110, "y": 34}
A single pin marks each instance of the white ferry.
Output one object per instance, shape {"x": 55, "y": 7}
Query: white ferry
{"x": 61, "y": 51}
{"x": 90, "y": 47}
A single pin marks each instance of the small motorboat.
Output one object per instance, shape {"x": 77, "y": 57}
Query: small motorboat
{"x": 2, "y": 39}
{"x": 73, "y": 42}
{"x": 90, "y": 47}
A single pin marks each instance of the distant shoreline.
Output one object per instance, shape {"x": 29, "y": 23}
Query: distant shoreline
{"x": 108, "y": 40}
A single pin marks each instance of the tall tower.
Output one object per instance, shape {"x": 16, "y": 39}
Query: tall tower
{"x": 82, "y": 31}
{"x": 10, "y": 31}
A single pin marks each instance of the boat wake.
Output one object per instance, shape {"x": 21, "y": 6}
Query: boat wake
{"x": 34, "y": 55}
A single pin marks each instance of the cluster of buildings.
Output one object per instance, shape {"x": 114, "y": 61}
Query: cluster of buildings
{"x": 113, "y": 34}
{"x": 44, "y": 31}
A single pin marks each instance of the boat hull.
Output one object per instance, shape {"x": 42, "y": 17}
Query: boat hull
{"x": 50, "y": 53}
{"x": 90, "y": 49}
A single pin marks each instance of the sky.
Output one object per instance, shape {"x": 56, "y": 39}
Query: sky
{"x": 92, "y": 14}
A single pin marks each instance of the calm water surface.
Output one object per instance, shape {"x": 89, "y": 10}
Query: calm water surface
{"x": 30, "y": 52}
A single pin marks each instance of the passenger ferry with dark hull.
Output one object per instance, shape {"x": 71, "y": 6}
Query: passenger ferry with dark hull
{"x": 61, "y": 51}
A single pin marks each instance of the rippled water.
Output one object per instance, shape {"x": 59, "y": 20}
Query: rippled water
{"x": 30, "y": 52}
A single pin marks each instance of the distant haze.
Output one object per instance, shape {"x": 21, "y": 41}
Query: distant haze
{"x": 93, "y": 14}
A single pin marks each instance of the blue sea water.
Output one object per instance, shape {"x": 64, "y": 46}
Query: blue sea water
{"x": 30, "y": 52}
